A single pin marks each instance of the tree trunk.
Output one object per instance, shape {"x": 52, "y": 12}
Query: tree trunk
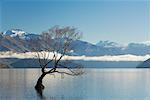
{"x": 39, "y": 86}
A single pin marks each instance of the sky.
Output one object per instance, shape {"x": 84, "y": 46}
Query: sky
{"x": 120, "y": 21}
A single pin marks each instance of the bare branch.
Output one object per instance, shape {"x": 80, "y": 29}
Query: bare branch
{"x": 76, "y": 71}
{"x": 72, "y": 74}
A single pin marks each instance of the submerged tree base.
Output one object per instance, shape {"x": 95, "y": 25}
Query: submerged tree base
{"x": 39, "y": 87}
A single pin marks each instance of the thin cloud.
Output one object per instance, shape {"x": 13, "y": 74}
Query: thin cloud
{"x": 127, "y": 57}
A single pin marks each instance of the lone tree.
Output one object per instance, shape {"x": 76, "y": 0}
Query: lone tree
{"x": 51, "y": 47}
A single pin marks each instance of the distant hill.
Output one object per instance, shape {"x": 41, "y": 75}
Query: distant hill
{"x": 33, "y": 63}
{"x": 145, "y": 64}
{"x": 17, "y": 40}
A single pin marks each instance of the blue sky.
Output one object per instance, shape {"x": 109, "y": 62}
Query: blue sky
{"x": 119, "y": 21}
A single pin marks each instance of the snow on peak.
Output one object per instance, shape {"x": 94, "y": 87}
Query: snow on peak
{"x": 15, "y": 32}
{"x": 18, "y": 32}
{"x": 146, "y": 43}
{"x": 108, "y": 44}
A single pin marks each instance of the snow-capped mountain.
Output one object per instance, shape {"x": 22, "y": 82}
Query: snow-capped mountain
{"x": 15, "y": 32}
{"x": 108, "y": 44}
{"x": 19, "y": 33}
{"x": 146, "y": 43}
{"x": 131, "y": 48}
{"x": 17, "y": 39}
{"x": 88, "y": 49}
{"x": 137, "y": 49}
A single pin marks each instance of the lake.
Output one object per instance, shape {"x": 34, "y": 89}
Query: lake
{"x": 94, "y": 84}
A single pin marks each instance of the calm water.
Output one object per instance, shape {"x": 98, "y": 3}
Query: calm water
{"x": 95, "y": 84}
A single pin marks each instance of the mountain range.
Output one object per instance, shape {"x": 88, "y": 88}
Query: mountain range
{"x": 17, "y": 40}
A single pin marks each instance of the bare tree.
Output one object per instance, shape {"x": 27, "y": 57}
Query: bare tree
{"x": 50, "y": 48}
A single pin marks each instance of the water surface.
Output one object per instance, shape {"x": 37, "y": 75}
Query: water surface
{"x": 95, "y": 84}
